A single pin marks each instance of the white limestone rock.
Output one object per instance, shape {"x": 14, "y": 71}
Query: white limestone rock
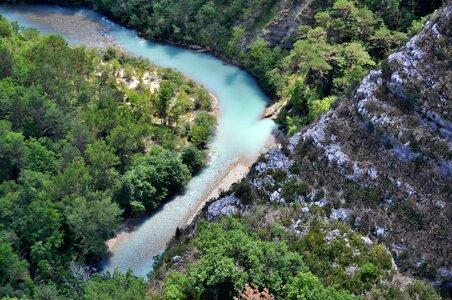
{"x": 367, "y": 241}
{"x": 224, "y": 207}
{"x": 332, "y": 235}
{"x": 176, "y": 259}
{"x": 340, "y": 214}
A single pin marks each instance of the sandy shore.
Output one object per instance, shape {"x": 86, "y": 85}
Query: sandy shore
{"x": 235, "y": 172}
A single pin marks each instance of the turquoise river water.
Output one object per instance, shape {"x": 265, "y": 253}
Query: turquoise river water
{"x": 241, "y": 132}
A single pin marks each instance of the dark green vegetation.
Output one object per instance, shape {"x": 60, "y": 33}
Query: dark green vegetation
{"x": 226, "y": 255}
{"x": 231, "y": 255}
{"x": 329, "y": 55}
{"x": 80, "y": 148}
{"x": 57, "y": 180}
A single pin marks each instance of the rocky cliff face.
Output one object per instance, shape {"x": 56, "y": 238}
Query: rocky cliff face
{"x": 375, "y": 170}
{"x": 281, "y": 27}
{"x": 382, "y": 160}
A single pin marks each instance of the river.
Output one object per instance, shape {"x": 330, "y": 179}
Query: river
{"x": 241, "y": 133}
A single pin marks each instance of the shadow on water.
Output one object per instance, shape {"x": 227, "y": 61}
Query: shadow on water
{"x": 232, "y": 77}
{"x": 134, "y": 223}
{"x": 172, "y": 52}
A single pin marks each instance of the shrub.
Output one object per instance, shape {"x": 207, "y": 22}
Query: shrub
{"x": 194, "y": 158}
{"x": 201, "y": 132}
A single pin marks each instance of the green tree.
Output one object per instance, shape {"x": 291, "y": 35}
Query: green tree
{"x": 178, "y": 106}
{"x": 115, "y": 286}
{"x": 300, "y": 97}
{"x": 175, "y": 286}
{"x": 203, "y": 100}
{"x": 232, "y": 46}
{"x": 13, "y": 272}
{"x": 384, "y": 41}
{"x": 127, "y": 140}
{"x": 202, "y": 129}
{"x": 12, "y": 150}
{"x": 6, "y": 30}
{"x": 355, "y": 65}
{"x": 230, "y": 256}
{"x": 73, "y": 180}
{"x": 152, "y": 179}
{"x": 39, "y": 158}
{"x": 42, "y": 232}
{"x": 163, "y": 98}
{"x": 103, "y": 161}
{"x": 194, "y": 158}
{"x": 93, "y": 220}
{"x": 37, "y": 115}
{"x": 313, "y": 56}
{"x": 346, "y": 22}
{"x": 422, "y": 291}
{"x": 306, "y": 286}
{"x": 8, "y": 62}
{"x": 8, "y": 91}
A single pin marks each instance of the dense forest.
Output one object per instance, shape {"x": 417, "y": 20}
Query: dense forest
{"x": 84, "y": 143}
{"x": 80, "y": 150}
{"x": 330, "y": 54}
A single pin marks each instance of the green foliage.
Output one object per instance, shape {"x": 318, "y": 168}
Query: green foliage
{"x": 152, "y": 179}
{"x": 292, "y": 190}
{"x": 368, "y": 272}
{"x": 179, "y": 106}
{"x": 399, "y": 14}
{"x": 6, "y": 30}
{"x": 73, "y": 144}
{"x": 300, "y": 97}
{"x": 305, "y": 286}
{"x": 230, "y": 256}
{"x": 203, "y": 100}
{"x": 175, "y": 285}
{"x": 193, "y": 158}
{"x": 161, "y": 102}
{"x": 93, "y": 220}
{"x": 202, "y": 130}
{"x": 102, "y": 161}
{"x": 42, "y": 231}
{"x": 12, "y": 150}
{"x": 73, "y": 180}
{"x": 115, "y": 286}
{"x": 383, "y": 41}
{"x": 38, "y": 157}
{"x": 13, "y": 272}
{"x": 420, "y": 290}
{"x": 8, "y": 62}
{"x": 329, "y": 255}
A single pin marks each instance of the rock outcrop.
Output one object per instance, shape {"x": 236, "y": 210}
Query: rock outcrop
{"x": 281, "y": 29}
{"x": 223, "y": 207}
{"x": 382, "y": 160}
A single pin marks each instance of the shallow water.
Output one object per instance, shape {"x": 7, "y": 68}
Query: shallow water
{"x": 240, "y": 130}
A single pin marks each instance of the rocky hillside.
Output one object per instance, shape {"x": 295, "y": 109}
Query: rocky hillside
{"x": 382, "y": 160}
{"x": 364, "y": 194}
{"x": 281, "y": 28}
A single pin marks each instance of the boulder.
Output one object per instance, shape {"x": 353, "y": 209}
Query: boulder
{"x": 176, "y": 259}
{"x": 340, "y": 214}
{"x": 367, "y": 241}
{"x": 223, "y": 207}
